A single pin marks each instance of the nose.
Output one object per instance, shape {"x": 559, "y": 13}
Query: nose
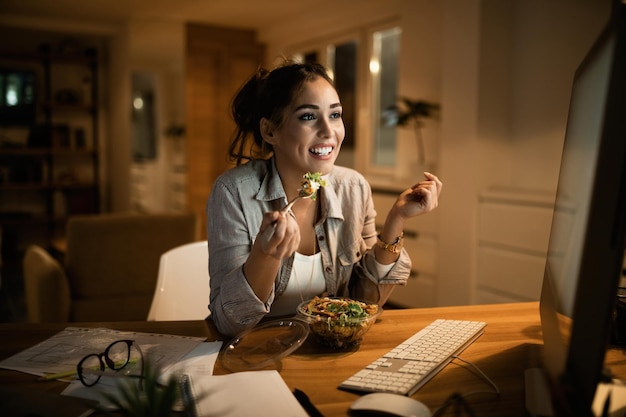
{"x": 325, "y": 129}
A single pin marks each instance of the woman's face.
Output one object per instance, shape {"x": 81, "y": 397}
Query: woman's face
{"x": 311, "y": 135}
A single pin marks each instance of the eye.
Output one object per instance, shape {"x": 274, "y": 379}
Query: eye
{"x": 307, "y": 116}
{"x": 336, "y": 115}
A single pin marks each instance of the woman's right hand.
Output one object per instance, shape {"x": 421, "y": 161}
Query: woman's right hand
{"x": 278, "y": 238}
{"x": 279, "y": 235}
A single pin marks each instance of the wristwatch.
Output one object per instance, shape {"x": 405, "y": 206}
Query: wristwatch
{"x": 393, "y": 247}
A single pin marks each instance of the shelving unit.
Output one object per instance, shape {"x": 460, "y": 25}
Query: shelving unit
{"x": 49, "y": 164}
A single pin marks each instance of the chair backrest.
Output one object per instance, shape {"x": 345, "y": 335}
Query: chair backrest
{"x": 46, "y": 289}
{"x": 182, "y": 291}
{"x": 112, "y": 261}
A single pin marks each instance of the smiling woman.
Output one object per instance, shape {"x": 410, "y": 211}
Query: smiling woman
{"x": 265, "y": 261}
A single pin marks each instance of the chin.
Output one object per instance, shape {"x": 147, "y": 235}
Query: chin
{"x": 323, "y": 167}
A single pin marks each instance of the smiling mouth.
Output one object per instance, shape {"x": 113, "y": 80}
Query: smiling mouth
{"x": 323, "y": 151}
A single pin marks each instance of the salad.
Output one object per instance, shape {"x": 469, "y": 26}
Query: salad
{"x": 311, "y": 182}
{"x": 339, "y": 322}
{"x": 339, "y": 308}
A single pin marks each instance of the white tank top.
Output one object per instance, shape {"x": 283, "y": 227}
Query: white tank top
{"x": 306, "y": 281}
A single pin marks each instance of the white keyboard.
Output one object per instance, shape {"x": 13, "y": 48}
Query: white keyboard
{"x": 408, "y": 366}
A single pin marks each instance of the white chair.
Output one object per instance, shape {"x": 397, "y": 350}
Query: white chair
{"x": 182, "y": 290}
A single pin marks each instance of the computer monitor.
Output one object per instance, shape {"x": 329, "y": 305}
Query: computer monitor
{"x": 588, "y": 234}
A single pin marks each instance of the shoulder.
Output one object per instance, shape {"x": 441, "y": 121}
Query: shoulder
{"x": 347, "y": 177}
{"x": 249, "y": 174}
{"x": 349, "y": 185}
{"x": 349, "y": 192}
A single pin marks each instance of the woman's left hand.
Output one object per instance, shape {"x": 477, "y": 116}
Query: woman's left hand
{"x": 421, "y": 198}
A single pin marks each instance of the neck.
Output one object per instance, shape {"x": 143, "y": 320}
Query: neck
{"x": 290, "y": 177}
{"x": 306, "y": 214}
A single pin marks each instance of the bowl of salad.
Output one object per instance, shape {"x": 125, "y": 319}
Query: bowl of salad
{"x": 338, "y": 322}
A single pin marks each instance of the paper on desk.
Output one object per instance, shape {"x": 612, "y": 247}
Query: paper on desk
{"x": 64, "y": 350}
{"x": 201, "y": 360}
{"x": 266, "y": 395}
{"x": 110, "y": 386}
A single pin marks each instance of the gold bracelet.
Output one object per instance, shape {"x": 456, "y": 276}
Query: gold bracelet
{"x": 393, "y": 247}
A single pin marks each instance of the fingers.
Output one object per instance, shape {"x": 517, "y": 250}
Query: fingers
{"x": 431, "y": 185}
{"x": 266, "y": 231}
{"x": 421, "y": 197}
{"x": 435, "y": 179}
{"x": 285, "y": 238}
{"x": 279, "y": 235}
{"x": 270, "y": 218}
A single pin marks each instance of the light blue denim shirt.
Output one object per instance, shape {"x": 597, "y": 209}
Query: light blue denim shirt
{"x": 345, "y": 234}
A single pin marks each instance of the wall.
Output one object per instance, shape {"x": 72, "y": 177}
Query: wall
{"x": 118, "y": 155}
{"x": 420, "y": 77}
{"x": 157, "y": 50}
{"x": 547, "y": 59}
{"x": 459, "y": 164}
{"x": 506, "y": 78}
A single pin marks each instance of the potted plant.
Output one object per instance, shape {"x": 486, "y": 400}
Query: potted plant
{"x": 150, "y": 398}
{"x": 412, "y": 113}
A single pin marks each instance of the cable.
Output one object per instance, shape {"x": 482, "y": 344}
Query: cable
{"x": 485, "y": 377}
{"x": 460, "y": 399}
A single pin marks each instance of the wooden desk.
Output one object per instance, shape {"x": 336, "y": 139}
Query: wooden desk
{"x": 510, "y": 345}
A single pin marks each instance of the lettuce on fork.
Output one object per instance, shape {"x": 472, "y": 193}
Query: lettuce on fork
{"x": 311, "y": 183}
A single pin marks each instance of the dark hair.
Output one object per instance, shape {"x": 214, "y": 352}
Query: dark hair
{"x": 267, "y": 94}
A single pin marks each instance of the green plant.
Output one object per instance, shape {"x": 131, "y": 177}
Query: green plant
{"x": 412, "y": 113}
{"x": 148, "y": 399}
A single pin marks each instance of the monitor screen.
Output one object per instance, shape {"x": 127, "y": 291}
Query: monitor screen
{"x": 587, "y": 238}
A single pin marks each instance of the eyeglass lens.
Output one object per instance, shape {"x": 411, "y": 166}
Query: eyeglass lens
{"x": 115, "y": 357}
{"x": 118, "y": 354}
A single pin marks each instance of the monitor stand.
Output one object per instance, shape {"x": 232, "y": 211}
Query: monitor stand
{"x": 537, "y": 393}
{"x": 611, "y": 395}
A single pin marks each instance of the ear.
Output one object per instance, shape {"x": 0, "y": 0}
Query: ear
{"x": 267, "y": 131}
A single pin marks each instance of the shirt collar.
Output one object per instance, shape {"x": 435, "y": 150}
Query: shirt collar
{"x": 331, "y": 206}
{"x": 271, "y": 188}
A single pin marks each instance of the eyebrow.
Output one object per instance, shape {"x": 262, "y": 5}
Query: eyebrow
{"x": 314, "y": 107}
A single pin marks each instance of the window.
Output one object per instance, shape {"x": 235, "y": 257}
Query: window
{"x": 143, "y": 118}
{"x": 383, "y": 67}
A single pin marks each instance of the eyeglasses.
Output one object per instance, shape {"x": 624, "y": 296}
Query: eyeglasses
{"x": 116, "y": 357}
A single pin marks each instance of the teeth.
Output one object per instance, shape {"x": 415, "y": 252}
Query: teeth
{"x": 322, "y": 151}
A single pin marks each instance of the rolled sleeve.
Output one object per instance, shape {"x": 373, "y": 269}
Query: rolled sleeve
{"x": 234, "y": 306}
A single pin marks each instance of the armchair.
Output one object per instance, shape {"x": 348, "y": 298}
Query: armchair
{"x": 110, "y": 267}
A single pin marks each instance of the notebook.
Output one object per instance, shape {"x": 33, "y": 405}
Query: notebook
{"x": 265, "y": 393}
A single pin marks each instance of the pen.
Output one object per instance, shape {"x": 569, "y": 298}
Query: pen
{"x": 74, "y": 372}
{"x": 58, "y": 375}
{"x": 308, "y": 406}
